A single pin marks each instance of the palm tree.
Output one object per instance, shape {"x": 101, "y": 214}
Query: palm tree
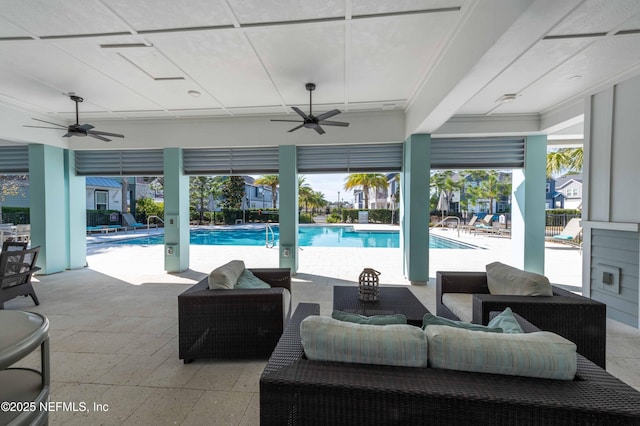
{"x": 365, "y": 181}
{"x": 446, "y": 182}
{"x": 305, "y": 196}
{"x": 564, "y": 160}
{"x": 273, "y": 181}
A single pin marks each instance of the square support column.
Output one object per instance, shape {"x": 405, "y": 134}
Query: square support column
{"x": 528, "y": 207}
{"x": 288, "y": 178}
{"x": 49, "y": 208}
{"x": 77, "y": 217}
{"x": 414, "y": 208}
{"x": 176, "y": 212}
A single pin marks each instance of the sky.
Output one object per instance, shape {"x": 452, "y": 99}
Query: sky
{"x": 329, "y": 185}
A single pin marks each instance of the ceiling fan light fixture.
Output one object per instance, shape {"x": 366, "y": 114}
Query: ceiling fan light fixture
{"x": 507, "y": 97}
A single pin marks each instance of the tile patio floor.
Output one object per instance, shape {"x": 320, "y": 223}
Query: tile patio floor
{"x": 114, "y": 327}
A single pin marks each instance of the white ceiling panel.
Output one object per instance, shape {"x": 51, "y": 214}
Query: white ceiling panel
{"x": 223, "y": 64}
{"x": 367, "y": 7}
{"x": 392, "y": 55}
{"x": 632, "y": 23}
{"x": 65, "y": 73}
{"x": 8, "y": 29}
{"x": 535, "y": 63}
{"x": 255, "y": 11}
{"x": 294, "y": 56}
{"x": 54, "y": 18}
{"x": 595, "y": 65}
{"x": 595, "y": 16}
{"x": 163, "y": 14}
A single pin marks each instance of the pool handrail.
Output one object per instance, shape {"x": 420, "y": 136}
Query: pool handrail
{"x": 269, "y": 243}
{"x": 441, "y": 223}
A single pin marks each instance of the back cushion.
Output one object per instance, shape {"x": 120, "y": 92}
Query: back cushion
{"x": 327, "y": 339}
{"x": 225, "y": 276}
{"x": 541, "y": 354}
{"x": 505, "y": 279}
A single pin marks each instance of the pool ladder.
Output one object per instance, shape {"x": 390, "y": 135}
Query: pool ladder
{"x": 269, "y": 242}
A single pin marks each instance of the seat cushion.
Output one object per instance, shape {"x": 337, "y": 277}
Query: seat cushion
{"x": 541, "y": 354}
{"x": 373, "y": 320}
{"x": 327, "y": 339}
{"x": 225, "y": 277}
{"x": 505, "y": 279}
{"x": 461, "y": 304}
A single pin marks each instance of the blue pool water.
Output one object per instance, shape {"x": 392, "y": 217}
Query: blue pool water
{"x": 312, "y": 236}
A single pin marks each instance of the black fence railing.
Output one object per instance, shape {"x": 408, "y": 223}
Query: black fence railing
{"x": 17, "y": 218}
{"x": 555, "y": 223}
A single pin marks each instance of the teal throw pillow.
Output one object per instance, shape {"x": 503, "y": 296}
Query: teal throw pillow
{"x": 372, "y": 320}
{"x": 248, "y": 280}
{"x": 430, "y": 319}
{"x": 507, "y": 322}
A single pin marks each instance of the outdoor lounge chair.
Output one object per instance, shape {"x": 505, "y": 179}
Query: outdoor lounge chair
{"x": 131, "y": 222}
{"x": 14, "y": 245}
{"x": 569, "y": 233}
{"x": 16, "y": 269}
{"x": 470, "y": 224}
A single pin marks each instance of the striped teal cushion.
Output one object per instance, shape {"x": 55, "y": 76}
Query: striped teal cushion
{"x": 327, "y": 339}
{"x": 540, "y": 354}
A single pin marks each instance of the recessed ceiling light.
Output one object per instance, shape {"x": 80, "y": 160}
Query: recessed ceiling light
{"x": 575, "y": 77}
{"x": 507, "y": 97}
{"x": 194, "y": 93}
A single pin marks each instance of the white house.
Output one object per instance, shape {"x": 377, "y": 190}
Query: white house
{"x": 571, "y": 187}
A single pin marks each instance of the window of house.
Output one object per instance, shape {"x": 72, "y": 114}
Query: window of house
{"x": 548, "y": 187}
{"x": 259, "y": 191}
{"x": 101, "y": 198}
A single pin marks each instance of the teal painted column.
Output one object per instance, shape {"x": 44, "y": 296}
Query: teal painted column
{"x": 528, "y": 208}
{"x": 288, "y": 179}
{"x": 414, "y": 208}
{"x": 49, "y": 209}
{"x": 76, "y": 195}
{"x": 176, "y": 212}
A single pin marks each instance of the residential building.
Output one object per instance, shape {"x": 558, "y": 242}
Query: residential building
{"x": 553, "y": 198}
{"x": 570, "y": 186}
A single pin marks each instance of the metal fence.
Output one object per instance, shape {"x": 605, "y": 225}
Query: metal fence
{"x": 555, "y": 223}
{"x": 17, "y": 218}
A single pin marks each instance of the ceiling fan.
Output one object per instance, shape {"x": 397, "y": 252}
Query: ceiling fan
{"x": 312, "y": 122}
{"x": 78, "y": 129}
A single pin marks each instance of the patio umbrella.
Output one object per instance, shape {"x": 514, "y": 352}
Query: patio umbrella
{"x": 443, "y": 204}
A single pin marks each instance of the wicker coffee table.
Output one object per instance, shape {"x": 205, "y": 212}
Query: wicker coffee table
{"x": 392, "y": 300}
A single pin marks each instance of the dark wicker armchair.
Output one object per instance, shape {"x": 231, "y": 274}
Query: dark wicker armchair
{"x": 234, "y": 323}
{"x": 16, "y": 269}
{"x": 577, "y": 318}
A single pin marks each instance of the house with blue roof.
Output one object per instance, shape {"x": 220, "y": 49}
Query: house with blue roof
{"x": 103, "y": 193}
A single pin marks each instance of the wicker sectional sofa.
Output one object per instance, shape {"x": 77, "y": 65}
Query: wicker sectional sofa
{"x": 236, "y": 323}
{"x": 579, "y": 319}
{"x": 295, "y": 390}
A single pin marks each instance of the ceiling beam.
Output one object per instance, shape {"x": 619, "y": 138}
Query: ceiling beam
{"x": 492, "y": 36}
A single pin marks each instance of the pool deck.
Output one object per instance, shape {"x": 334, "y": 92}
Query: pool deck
{"x": 113, "y": 325}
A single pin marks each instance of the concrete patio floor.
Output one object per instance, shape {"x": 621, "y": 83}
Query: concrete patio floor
{"x": 114, "y": 326}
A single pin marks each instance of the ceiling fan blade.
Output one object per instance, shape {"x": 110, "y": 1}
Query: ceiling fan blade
{"x": 85, "y": 126}
{"x": 93, "y": 135}
{"x": 289, "y": 121}
{"x": 300, "y": 113}
{"x": 96, "y": 132}
{"x": 319, "y": 129}
{"x": 48, "y": 122}
{"x": 296, "y": 128}
{"x": 43, "y": 127}
{"x": 334, "y": 123}
{"x": 328, "y": 114}
{"x": 68, "y": 135}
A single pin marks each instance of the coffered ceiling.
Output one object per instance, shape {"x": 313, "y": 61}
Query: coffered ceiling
{"x": 428, "y": 59}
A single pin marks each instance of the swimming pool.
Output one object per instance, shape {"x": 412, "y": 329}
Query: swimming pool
{"x": 308, "y": 236}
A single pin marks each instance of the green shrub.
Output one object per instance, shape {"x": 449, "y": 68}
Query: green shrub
{"x": 146, "y": 207}
{"x": 229, "y": 216}
{"x": 333, "y": 218}
{"x": 305, "y": 218}
{"x": 380, "y": 216}
{"x": 15, "y": 215}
